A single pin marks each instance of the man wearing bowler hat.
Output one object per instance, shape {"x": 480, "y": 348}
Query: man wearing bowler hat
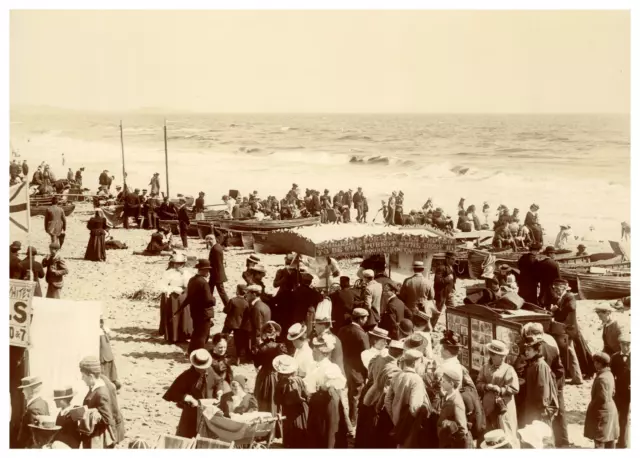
{"x": 259, "y": 313}
{"x": 35, "y": 406}
{"x": 416, "y": 290}
{"x": 395, "y": 310}
{"x": 218, "y": 276}
{"x": 201, "y": 303}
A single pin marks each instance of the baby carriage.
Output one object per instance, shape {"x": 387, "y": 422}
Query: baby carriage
{"x": 254, "y": 430}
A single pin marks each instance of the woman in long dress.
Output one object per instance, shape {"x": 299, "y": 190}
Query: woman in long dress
{"x": 292, "y": 398}
{"x": 267, "y": 377}
{"x": 173, "y": 285}
{"x": 498, "y": 384}
{"x": 96, "y": 248}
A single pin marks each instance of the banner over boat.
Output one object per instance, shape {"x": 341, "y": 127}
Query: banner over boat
{"x": 384, "y": 243}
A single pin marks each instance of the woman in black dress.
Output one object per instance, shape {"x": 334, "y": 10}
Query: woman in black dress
{"x": 292, "y": 398}
{"x": 96, "y": 249}
{"x": 221, "y": 364}
{"x": 267, "y": 377}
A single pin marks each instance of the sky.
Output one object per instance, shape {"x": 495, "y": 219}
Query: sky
{"x": 323, "y": 61}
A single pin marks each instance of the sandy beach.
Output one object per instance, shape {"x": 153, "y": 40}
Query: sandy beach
{"x": 127, "y": 287}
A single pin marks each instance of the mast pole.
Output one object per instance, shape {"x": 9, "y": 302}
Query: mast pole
{"x": 166, "y": 156}
{"x": 124, "y": 174}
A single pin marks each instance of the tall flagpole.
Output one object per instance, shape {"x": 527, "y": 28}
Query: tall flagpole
{"x": 166, "y": 156}
{"x": 124, "y": 174}
{"x": 31, "y": 277}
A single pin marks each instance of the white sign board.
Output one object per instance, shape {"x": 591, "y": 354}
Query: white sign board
{"x": 62, "y": 333}
{"x": 20, "y": 296}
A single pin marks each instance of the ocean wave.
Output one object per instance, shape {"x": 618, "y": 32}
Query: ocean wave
{"x": 355, "y": 137}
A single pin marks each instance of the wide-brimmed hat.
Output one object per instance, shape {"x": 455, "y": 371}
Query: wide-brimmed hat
{"x": 505, "y": 268}
{"x": 530, "y": 341}
{"x": 31, "y": 380}
{"x": 285, "y": 364}
{"x": 418, "y": 265}
{"x": 200, "y": 359}
{"x": 494, "y": 439}
{"x": 16, "y": 246}
{"x": 359, "y": 313}
{"x": 64, "y": 393}
{"x": 45, "y": 423}
{"x": 411, "y": 355}
{"x": 324, "y": 344}
{"x": 253, "y": 258}
{"x": 368, "y": 273}
{"x": 258, "y": 268}
{"x": 498, "y": 347}
{"x": 415, "y": 342}
{"x": 549, "y": 250}
{"x": 322, "y": 320}
{"x": 203, "y": 264}
{"x": 178, "y": 258}
{"x": 405, "y": 327}
{"x": 450, "y": 339}
{"x": 296, "y": 331}
{"x": 271, "y": 327}
{"x": 380, "y": 333}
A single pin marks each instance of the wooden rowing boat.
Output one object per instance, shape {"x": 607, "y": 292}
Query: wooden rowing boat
{"x": 591, "y": 286}
{"x": 42, "y": 210}
{"x": 253, "y": 225}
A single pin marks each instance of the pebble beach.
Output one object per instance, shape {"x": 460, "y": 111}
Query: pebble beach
{"x": 127, "y": 286}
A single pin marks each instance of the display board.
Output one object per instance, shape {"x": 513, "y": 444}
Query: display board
{"x": 460, "y": 325}
{"x": 20, "y": 298}
{"x": 481, "y": 335}
{"x": 384, "y": 243}
{"x": 511, "y": 337}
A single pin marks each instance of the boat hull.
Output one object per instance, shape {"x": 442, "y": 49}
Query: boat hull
{"x": 42, "y": 210}
{"x": 603, "y": 287}
{"x": 267, "y": 225}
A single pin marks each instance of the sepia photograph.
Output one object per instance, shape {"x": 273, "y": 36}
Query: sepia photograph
{"x": 255, "y": 228}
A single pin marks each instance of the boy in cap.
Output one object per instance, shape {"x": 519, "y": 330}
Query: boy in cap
{"x": 541, "y": 393}
{"x": 621, "y": 370}
{"x": 452, "y": 421}
{"x": 610, "y": 330}
{"x": 56, "y": 270}
{"x": 565, "y": 312}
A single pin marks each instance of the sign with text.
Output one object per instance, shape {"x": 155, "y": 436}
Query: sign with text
{"x": 20, "y": 297}
{"x": 385, "y": 243}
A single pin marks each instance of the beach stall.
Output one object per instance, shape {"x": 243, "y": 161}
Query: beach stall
{"x": 478, "y": 325}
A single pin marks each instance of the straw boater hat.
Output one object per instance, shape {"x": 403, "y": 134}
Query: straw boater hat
{"x": 380, "y": 333}
{"x": 323, "y": 320}
{"x": 258, "y": 268}
{"x": 200, "y": 359}
{"x": 498, "y": 347}
{"x": 296, "y": 331}
{"x": 495, "y": 439}
{"x": 285, "y": 365}
{"x": 63, "y": 393}
{"x": 32, "y": 380}
{"x": 368, "y": 273}
{"x": 45, "y": 423}
{"x": 178, "y": 259}
{"x": 415, "y": 342}
{"x": 253, "y": 258}
{"x": 418, "y": 265}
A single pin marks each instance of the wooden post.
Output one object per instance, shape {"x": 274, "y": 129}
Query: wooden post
{"x": 166, "y": 156}
{"x": 124, "y": 174}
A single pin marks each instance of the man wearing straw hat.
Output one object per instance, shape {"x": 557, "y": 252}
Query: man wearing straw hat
{"x": 44, "y": 430}
{"x": 35, "y": 406}
{"x": 69, "y": 434}
{"x": 196, "y": 383}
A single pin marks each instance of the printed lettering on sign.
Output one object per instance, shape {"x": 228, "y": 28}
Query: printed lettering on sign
{"x": 20, "y": 297}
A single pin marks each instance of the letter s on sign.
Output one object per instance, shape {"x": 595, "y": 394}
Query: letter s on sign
{"x": 20, "y": 312}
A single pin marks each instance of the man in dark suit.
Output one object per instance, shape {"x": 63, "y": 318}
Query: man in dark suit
{"x": 236, "y": 309}
{"x": 547, "y": 271}
{"x": 342, "y": 304}
{"x": 621, "y": 370}
{"x": 131, "y": 208}
{"x": 395, "y": 311}
{"x": 551, "y": 354}
{"x": 354, "y": 341}
{"x": 528, "y": 280}
{"x": 35, "y": 406}
{"x": 259, "y": 313}
{"x": 444, "y": 285}
{"x": 218, "y": 276}
{"x": 183, "y": 223}
{"x": 16, "y": 271}
{"x": 201, "y": 303}
{"x": 565, "y": 313}
{"x": 55, "y": 223}
{"x": 416, "y": 290}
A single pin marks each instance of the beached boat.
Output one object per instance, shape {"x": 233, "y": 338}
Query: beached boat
{"x": 41, "y": 210}
{"x": 253, "y": 225}
{"x": 592, "y": 286}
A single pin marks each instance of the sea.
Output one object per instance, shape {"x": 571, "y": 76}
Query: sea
{"x": 575, "y": 167}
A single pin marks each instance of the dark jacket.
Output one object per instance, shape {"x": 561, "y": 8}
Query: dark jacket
{"x": 528, "y": 279}
{"x": 199, "y": 299}
{"x": 199, "y": 207}
{"x": 342, "y": 303}
{"x": 235, "y": 311}
{"x": 38, "y": 273}
{"x": 394, "y": 312}
{"x": 56, "y": 270}
{"x": 132, "y": 200}
{"x": 54, "y": 220}
{"x": 601, "y": 421}
{"x": 415, "y": 291}
{"x": 551, "y": 356}
{"x": 566, "y": 313}
{"x": 354, "y": 341}
{"x": 443, "y": 286}
{"x": 621, "y": 370}
{"x": 216, "y": 258}
{"x": 183, "y": 218}
{"x": 259, "y": 314}
{"x": 156, "y": 244}
{"x": 547, "y": 270}
{"x": 37, "y": 407}
{"x": 16, "y": 271}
